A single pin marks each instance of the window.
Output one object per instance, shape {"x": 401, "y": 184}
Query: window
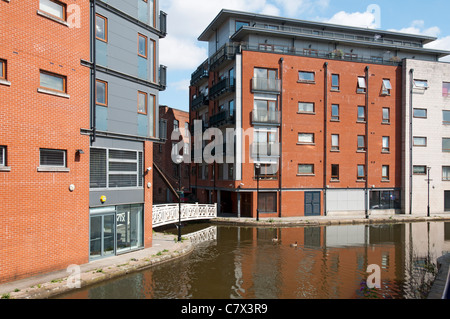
{"x": 420, "y": 141}
{"x": 421, "y": 84}
{"x": 305, "y": 138}
{"x": 335, "y": 82}
{"x": 142, "y": 102}
{"x": 385, "y": 173}
{"x": 447, "y": 201}
{"x": 335, "y": 142}
{"x": 52, "y": 81}
{"x": 306, "y": 107}
{"x": 361, "y": 173}
{"x": 266, "y": 171}
{"x": 446, "y": 145}
{"x": 386, "y": 147}
{"x": 445, "y": 89}
{"x": 385, "y": 200}
{"x": 419, "y": 170}
{"x": 361, "y": 85}
{"x": 386, "y": 115}
{"x": 112, "y": 168}
{"x": 334, "y": 172}
{"x": 420, "y": 113}
{"x": 2, "y": 156}
{"x": 335, "y": 112}
{"x": 263, "y": 80}
{"x": 53, "y": 8}
{"x": 446, "y": 173}
{"x": 308, "y": 77}
{"x": 240, "y": 24}
{"x": 52, "y": 158}
{"x": 305, "y": 169}
{"x": 102, "y": 93}
{"x": 361, "y": 113}
{"x": 386, "y": 87}
{"x": 142, "y": 46}
{"x": 101, "y": 28}
{"x": 267, "y": 202}
{"x": 2, "y": 70}
{"x": 361, "y": 143}
{"x": 446, "y": 117}
{"x": 176, "y": 125}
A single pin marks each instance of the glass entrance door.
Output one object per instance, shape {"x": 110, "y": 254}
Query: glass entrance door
{"x": 102, "y": 237}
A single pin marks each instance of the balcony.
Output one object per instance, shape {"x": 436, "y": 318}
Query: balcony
{"x": 224, "y": 86}
{"x": 199, "y": 101}
{"x": 265, "y": 85}
{"x": 220, "y": 119}
{"x": 258, "y": 150}
{"x": 201, "y": 73}
{"x": 225, "y": 53}
{"x": 264, "y": 117}
{"x": 163, "y": 23}
{"x": 163, "y": 77}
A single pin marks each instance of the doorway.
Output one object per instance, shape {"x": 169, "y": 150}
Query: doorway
{"x": 312, "y": 203}
{"x": 102, "y": 243}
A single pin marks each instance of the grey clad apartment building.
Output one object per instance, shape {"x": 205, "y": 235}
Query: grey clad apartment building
{"x": 126, "y": 78}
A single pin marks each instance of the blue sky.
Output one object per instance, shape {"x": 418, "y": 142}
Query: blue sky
{"x": 181, "y": 52}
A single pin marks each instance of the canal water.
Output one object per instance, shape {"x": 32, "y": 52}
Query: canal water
{"x": 332, "y": 262}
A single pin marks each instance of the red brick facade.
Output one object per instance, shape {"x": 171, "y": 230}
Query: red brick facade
{"x": 45, "y": 226}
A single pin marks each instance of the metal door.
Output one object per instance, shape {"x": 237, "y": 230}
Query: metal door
{"x": 312, "y": 204}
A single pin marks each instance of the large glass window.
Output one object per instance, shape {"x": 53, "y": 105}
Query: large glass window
{"x": 385, "y": 200}
{"x": 129, "y": 221}
{"x": 240, "y": 24}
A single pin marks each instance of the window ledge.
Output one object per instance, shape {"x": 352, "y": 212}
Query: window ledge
{"x": 54, "y": 169}
{"x": 361, "y": 122}
{"x": 385, "y": 123}
{"x": 4, "y": 82}
{"x": 50, "y": 92}
{"x": 48, "y": 16}
{"x": 5, "y": 169}
{"x": 310, "y": 144}
{"x": 361, "y": 151}
{"x": 307, "y": 175}
{"x": 335, "y": 151}
{"x": 335, "y": 181}
{"x": 385, "y": 181}
{"x": 360, "y": 180}
{"x": 334, "y": 120}
{"x": 338, "y": 91}
{"x": 307, "y": 82}
{"x": 386, "y": 152}
{"x": 307, "y": 113}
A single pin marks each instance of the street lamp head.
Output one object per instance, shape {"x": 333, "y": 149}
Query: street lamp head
{"x": 179, "y": 159}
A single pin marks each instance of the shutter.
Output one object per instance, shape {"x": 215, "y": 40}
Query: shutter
{"x": 98, "y": 168}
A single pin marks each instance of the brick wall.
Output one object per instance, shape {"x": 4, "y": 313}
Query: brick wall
{"x": 44, "y": 227}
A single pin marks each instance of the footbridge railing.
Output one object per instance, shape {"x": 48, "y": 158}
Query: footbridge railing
{"x": 168, "y": 213}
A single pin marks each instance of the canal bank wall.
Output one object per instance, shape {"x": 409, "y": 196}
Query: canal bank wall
{"x": 165, "y": 248}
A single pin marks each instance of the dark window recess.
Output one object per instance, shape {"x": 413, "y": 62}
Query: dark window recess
{"x": 267, "y": 202}
{"x": 52, "y": 158}
{"x": 385, "y": 200}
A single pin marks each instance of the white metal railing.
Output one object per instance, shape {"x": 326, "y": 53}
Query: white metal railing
{"x": 208, "y": 234}
{"x": 168, "y": 213}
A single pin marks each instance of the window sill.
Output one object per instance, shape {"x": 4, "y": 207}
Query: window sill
{"x": 334, "y": 120}
{"x": 53, "y": 169}
{"x": 306, "y": 82}
{"x": 361, "y": 122}
{"x": 4, "y": 82}
{"x": 385, "y": 152}
{"x": 5, "y": 169}
{"x": 361, "y": 151}
{"x": 337, "y": 91}
{"x": 309, "y": 144}
{"x": 335, "y": 181}
{"x": 360, "y": 180}
{"x": 48, "y": 16}
{"x": 385, "y": 123}
{"x": 50, "y": 92}
{"x": 385, "y": 181}
{"x": 306, "y": 175}
{"x": 307, "y": 113}
{"x": 335, "y": 151}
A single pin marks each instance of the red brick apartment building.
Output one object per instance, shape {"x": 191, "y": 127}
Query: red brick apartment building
{"x": 167, "y": 173}
{"x": 320, "y": 108}
{"x": 44, "y": 171}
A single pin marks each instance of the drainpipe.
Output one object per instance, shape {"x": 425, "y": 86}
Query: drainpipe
{"x": 411, "y": 140}
{"x": 93, "y": 72}
{"x": 366, "y": 192}
{"x": 280, "y": 164}
{"x": 325, "y": 146}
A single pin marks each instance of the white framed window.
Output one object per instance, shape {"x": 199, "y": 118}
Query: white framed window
{"x": 420, "y": 141}
{"x": 361, "y": 143}
{"x": 421, "y": 84}
{"x": 446, "y": 173}
{"x": 306, "y": 169}
{"x": 361, "y": 85}
{"x": 420, "y": 113}
{"x": 115, "y": 168}
{"x": 308, "y": 77}
{"x": 361, "y": 174}
{"x": 306, "y": 138}
{"x": 387, "y": 87}
{"x": 54, "y": 8}
{"x": 361, "y": 113}
{"x": 386, "y": 115}
{"x": 52, "y": 158}
{"x": 335, "y": 142}
{"x": 386, "y": 147}
{"x": 306, "y": 107}
{"x": 385, "y": 173}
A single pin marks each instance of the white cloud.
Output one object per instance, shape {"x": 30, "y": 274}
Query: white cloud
{"x": 179, "y": 53}
{"x": 355, "y": 19}
{"x": 418, "y": 27}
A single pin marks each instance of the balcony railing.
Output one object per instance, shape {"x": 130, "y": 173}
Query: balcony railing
{"x": 258, "y": 150}
{"x": 226, "y": 52}
{"x": 266, "y": 85}
{"x": 220, "y": 88}
{"x": 222, "y": 118}
{"x": 265, "y": 117}
{"x": 163, "y": 23}
{"x": 163, "y": 77}
{"x": 202, "y": 72}
{"x": 199, "y": 101}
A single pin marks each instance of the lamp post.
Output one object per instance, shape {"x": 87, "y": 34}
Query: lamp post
{"x": 429, "y": 180}
{"x": 258, "y": 171}
{"x": 179, "y": 161}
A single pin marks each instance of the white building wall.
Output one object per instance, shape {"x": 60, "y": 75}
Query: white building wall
{"x": 432, "y": 128}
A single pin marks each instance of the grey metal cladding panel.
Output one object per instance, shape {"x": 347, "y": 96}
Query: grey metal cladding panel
{"x": 129, "y": 7}
{"x": 116, "y": 197}
{"x": 118, "y": 144}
